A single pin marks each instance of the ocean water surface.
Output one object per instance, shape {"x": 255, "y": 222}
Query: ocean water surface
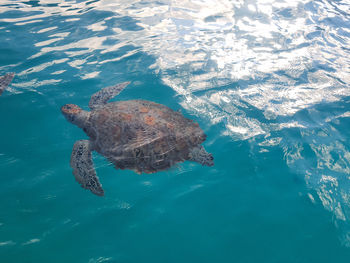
{"x": 268, "y": 82}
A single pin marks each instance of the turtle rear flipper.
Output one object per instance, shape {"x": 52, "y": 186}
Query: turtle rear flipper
{"x": 83, "y": 168}
{"x": 200, "y": 155}
{"x": 104, "y": 95}
{"x": 5, "y": 81}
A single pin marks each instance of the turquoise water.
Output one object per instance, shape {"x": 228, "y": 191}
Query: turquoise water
{"x": 268, "y": 81}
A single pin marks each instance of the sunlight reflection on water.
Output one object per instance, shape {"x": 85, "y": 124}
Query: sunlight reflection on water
{"x": 258, "y": 68}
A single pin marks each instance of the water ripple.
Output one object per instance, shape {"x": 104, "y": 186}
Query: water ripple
{"x": 264, "y": 70}
{"x": 276, "y": 58}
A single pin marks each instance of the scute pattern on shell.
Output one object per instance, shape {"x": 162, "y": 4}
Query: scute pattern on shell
{"x": 142, "y": 135}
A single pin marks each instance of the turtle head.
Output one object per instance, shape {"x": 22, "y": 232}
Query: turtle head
{"x": 75, "y": 114}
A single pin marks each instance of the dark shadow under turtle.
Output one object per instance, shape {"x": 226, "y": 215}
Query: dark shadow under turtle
{"x": 5, "y": 81}
{"x": 140, "y": 135}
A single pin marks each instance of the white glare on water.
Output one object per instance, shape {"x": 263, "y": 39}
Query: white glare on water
{"x": 226, "y": 59}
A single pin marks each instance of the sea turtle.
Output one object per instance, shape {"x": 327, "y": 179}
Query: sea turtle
{"x": 5, "y": 81}
{"x": 140, "y": 135}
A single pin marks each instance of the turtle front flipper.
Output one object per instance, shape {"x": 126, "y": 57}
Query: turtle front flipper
{"x": 200, "y": 155}
{"x": 83, "y": 168}
{"x": 104, "y": 95}
{"x": 5, "y": 81}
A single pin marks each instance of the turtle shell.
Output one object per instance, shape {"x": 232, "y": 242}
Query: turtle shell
{"x": 142, "y": 135}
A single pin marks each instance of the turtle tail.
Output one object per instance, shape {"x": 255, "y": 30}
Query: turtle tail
{"x": 200, "y": 155}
